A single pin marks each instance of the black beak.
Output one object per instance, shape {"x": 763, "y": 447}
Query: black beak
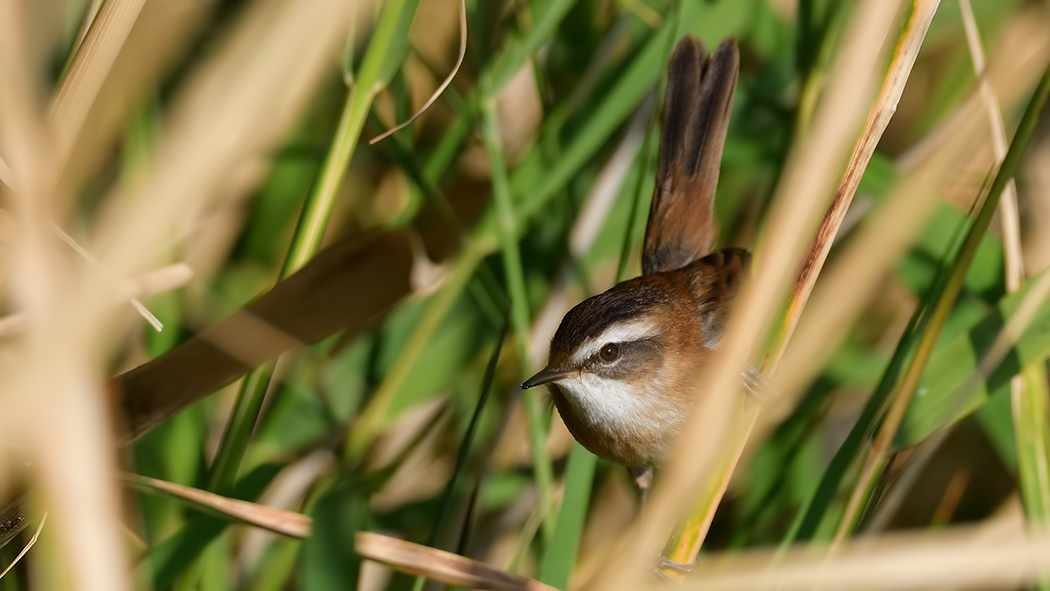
{"x": 545, "y": 375}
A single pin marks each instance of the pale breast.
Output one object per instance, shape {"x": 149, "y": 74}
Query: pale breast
{"x": 616, "y": 421}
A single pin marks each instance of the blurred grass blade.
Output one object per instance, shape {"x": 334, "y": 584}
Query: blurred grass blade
{"x": 507, "y": 233}
{"x": 320, "y": 299}
{"x": 328, "y": 562}
{"x": 559, "y": 557}
{"x": 1029, "y": 391}
{"x": 952, "y": 388}
{"x": 468, "y": 438}
{"x": 549, "y": 14}
{"x": 385, "y": 51}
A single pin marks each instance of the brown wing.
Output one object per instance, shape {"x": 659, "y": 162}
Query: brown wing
{"x": 715, "y": 284}
{"x": 699, "y": 98}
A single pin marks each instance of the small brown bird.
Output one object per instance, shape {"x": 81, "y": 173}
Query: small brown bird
{"x": 625, "y": 365}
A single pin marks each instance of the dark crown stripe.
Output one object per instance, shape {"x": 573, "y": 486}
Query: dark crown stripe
{"x": 625, "y": 302}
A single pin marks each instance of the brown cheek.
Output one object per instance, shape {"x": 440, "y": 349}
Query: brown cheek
{"x": 638, "y": 359}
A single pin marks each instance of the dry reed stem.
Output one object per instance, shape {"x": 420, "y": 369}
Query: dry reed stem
{"x": 91, "y": 64}
{"x": 238, "y": 105}
{"x": 139, "y": 307}
{"x": 1032, "y": 382}
{"x": 885, "y": 106}
{"x": 156, "y": 282}
{"x": 53, "y": 368}
{"x": 1008, "y": 213}
{"x": 441, "y": 88}
{"x": 954, "y": 558}
{"x": 878, "y": 119}
{"x": 25, "y": 549}
{"x": 288, "y": 523}
{"x": 438, "y": 565}
{"x": 805, "y": 186}
{"x": 848, "y": 285}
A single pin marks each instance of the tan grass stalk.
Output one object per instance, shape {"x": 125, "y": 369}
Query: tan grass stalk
{"x": 878, "y": 119}
{"x": 695, "y": 530}
{"x": 288, "y": 523}
{"x": 1008, "y": 214}
{"x": 25, "y": 549}
{"x": 49, "y": 376}
{"x": 91, "y": 64}
{"x": 440, "y": 89}
{"x": 438, "y": 565}
{"x": 955, "y": 558}
{"x": 155, "y": 282}
{"x": 846, "y": 287}
{"x": 238, "y": 105}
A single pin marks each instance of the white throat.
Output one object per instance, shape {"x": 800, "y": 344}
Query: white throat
{"x": 617, "y": 406}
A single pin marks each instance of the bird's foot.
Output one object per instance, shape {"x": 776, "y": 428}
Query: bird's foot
{"x": 662, "y": 564}
{"x": 755, "y": 383}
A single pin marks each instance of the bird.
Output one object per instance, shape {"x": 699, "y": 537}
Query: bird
{"x": 625, "y": 365}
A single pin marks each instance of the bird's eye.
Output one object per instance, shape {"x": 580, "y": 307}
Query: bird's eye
{"x": 609, "y": 352}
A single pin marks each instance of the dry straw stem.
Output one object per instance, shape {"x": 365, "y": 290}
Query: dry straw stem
{"x": 1020, "y": 51}
{"x": 878, "y": 119}
{"x": 1028, "y": 389}
{"x": 240, "y": 104}
{"x": 322, "y": 297}
{"x": 802, "y": 194}
{"x": 25, "y": 550}
{"x": 1008, "y": 214}
{"x": 440, "y": 89}
{"x": 135, "y": 302}
{"x": 956, "y": 558}
{"x": 73, "y": 470}
{"x": 439, "y": 565}
{"x": 155, "y": 282}
{"x": 288, "y": 523}
{"x": 159, "y": 39}
{"x": 695, "y": 530}
{"x": 847, "y": 285}
{"x": 91, "y": 64}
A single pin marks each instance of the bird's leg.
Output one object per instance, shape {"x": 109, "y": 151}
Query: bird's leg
{"x": 664, "y": 562}
{"x": 643, "y": 479}
{"x": 755, "y": 383}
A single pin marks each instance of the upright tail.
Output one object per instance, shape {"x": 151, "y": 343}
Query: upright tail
{"x": 682, "y": 226}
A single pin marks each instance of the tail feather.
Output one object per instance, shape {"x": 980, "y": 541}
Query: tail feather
{"x": 682, "y": 226}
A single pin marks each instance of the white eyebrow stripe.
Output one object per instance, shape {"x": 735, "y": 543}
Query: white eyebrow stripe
{"x": 624, "y": 332}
